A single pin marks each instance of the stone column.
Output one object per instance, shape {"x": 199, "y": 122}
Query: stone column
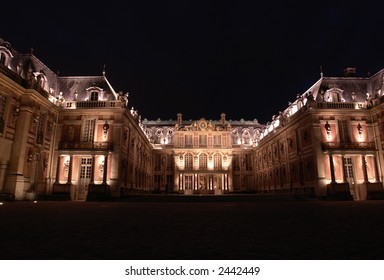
{"x": 364, "y": 169}
{"x": 376, "y": 168}
{"x": 70, "y": 170}
{"x": 15, "y": 180}
{"x": 331, "y": 165}
{"x": 3, "y": 167}
{"x": 343, "y": 169}
{"x": 57, "y": 180}
{"x": 105, "y": 169}
{"x": 93, "y": 170}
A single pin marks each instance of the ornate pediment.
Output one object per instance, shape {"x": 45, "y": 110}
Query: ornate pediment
{"x": 200, "y": 125}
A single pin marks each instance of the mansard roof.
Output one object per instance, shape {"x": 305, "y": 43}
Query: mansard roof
{"x": 346, "y": 86}
{"x": 83, "y": 85}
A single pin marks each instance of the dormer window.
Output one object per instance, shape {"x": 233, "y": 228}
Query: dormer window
{"x": 5, "y": 56}
{"x": 335, "y": 95}
{"x": 2, "y": 58}
{"x": 94, "y": 96}
{"x": 95, "y": 93}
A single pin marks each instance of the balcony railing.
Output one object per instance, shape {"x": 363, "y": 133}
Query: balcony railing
{"x": 91, "y": 104}
{"x": 91, "y": 146}
{"x": 341, "y": 105}
{"x": 348, "y": 146}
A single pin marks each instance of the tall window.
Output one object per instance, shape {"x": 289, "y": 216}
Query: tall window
{"x": 246, "y": 137}
{"x": 157, "y": 162}
{"x": 188, "y": 140}
{"x": 343, "y": 131}
{"x": 169, "y": 162}
{"x": 203, "y": 162}
{"x": 40, "y": 129}
{"x": 217, "y": 162}
{"x": 89, "y": 130}
{"x": 202, "y": 140}
{"x": 2, "y": 58}
{"x": 348, "y": 169}
{"x": 217, "y": 140}
{"x": 236, "y": 162}
{"x": 94, "y": 96}
{"x": 3, "y": 100}
{"x": 248, "y": 162}
{"x": 188, "y": 182}
{"x": 86, "y": 167}
{"x": 188, "y": 161}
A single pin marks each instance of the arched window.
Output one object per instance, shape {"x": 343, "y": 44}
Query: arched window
{"x": 94, "y": 96}
{"x": 3, "y": 101}
{"x": 188, "y": 161}
{"x": 203, "y": 162}
{"x": 217, "y": 162}
{"x": 5, "y": 56}
{"x": 2, "y": 58}
{"x": 246, "y": 137}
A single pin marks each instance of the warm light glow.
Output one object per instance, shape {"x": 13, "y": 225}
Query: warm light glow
{"x": 293, "y": 109}
{"x": 276, "y": 123}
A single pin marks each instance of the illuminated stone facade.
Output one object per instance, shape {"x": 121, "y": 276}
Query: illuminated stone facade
{"x": 75, "y": 138}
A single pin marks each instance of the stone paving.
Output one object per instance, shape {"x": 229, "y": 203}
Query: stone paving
{"x": 188, "y": 230}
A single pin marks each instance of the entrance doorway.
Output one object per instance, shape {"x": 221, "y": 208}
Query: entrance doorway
{"x": 348, "y": 171}
{"x": 85, "y": 178}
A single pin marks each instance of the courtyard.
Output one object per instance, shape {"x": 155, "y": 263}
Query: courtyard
{"x": 217, "y": 229}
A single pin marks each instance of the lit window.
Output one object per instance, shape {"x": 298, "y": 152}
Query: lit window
{"x": 217, "y": 161}
{"x": 94, "y": 96}
{"x": 188, "y": 140}
{"x": 203, "y": 162}
{"x": 202, "y": 140}
{"x": 188, "y": 161}
{"x": 217, "y": 140}
{"x": 3, "y": 100}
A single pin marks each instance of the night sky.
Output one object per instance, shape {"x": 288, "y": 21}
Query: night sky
{"x": 247, "y": 59}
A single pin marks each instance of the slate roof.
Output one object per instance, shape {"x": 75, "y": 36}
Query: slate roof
{"x": 69, "y": 86}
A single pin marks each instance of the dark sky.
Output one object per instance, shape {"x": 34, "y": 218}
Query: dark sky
{"x": 201, "y": 58}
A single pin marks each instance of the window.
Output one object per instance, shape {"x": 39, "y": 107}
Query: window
{"x": 217, "y": 140}
{"x": 157, "y": 162}
{"x": 169, "y": 162}
{"x": 348, "y": 170}
{"x": 40, "y": 129}
{"x": 188, "y": 182}
{"x": 248, "y": 162}
{"x": 188, "y": 161}
{"x": 3, "y": 101}
{"x": 202, "y": 140}
{"x": 89, "y": 130}
{"x": 2, "y": 58}
{"x": 86, "y": 166}
{"x": 236, "y": 162}
{"x": 203, "y": 162}
{"x": 94, "y": 96}
{"x": 246, "y": 137}
{"x": 188, "y": 140}
{"x": 343, "y": 131}
{"x": 217, "y": 161}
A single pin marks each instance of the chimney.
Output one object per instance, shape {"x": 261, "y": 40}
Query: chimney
{"x": 222, "y": 119}
{"x": 179, "y": 119}
{"x": 350, "y": 72}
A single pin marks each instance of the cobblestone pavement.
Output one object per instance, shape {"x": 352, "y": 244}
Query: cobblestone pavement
{"x": 212, "y": 230}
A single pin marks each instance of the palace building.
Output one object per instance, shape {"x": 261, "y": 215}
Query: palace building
{"x": 76, "y": 138}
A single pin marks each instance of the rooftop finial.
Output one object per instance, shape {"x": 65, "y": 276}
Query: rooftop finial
{"x": 104, "y": 70}
{"x": 321, "y": 71}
